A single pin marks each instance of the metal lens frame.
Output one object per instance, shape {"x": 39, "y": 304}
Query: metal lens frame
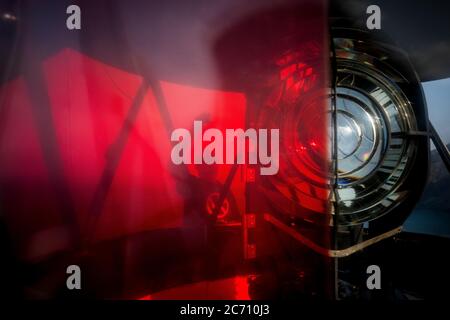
{"x": 373, "y": 154}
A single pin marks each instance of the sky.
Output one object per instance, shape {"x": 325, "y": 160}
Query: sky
{"x": 437, "y": 94}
